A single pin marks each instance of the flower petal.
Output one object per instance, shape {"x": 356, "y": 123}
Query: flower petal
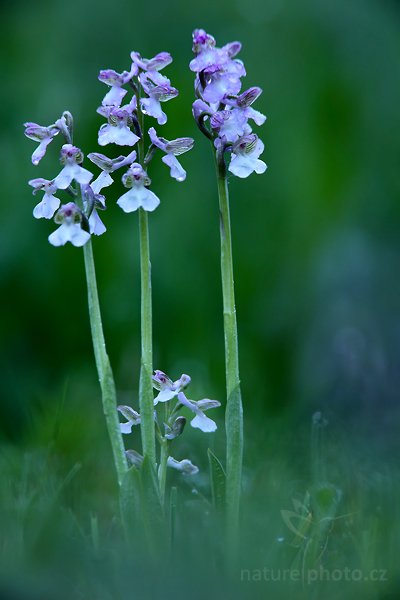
{"x": 96, "y": 225}
{"x": 201, "y": 421}
{"x": 129, "y": 201}
{"x": 69, "y": 233}
{"x": 111, "y": 134}
{"x": 41, "y": 150}
{"x": 165, "y": 395}
{"x": 176, "y": 169}
{"x": 47, "y": 207}
{"x": 152, "y": 107}
{"x": 114, "y": 96}
{"x": 126, "y": 427}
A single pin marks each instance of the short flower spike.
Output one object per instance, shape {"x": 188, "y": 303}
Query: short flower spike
{"x": 221, "y": 111}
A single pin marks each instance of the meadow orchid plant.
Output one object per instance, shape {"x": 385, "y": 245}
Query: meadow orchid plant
{"x": 223, "y": 113}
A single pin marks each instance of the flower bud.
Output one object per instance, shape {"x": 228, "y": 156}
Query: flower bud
{"x": 176, "y": 430}
{"x": 248, "y": 97}
{"x": 134, "y": 458}
{"x": 232, "y": 48}
{"x": 201, "y": 40}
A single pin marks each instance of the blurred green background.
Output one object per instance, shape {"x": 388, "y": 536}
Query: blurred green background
{"x": 316, "y": 239}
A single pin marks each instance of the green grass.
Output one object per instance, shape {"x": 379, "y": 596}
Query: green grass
{"x": 61, "y": 536}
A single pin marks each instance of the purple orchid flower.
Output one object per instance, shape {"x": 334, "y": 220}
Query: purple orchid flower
{"x": 71, "y": 157}
{"x": 200, "y": 421}
{"x": 69, "y": 216}
{"x": 172, "y": 149}
{"x": 132, "y": 417}
{"x": 159, "y": 89}
{"x": 185, "y": 466}
{"x": 157, "y": 63}
{"x": 115, "y": 80}
{"x": 245, "y": 155}
{"x": 117, "y": 130}
{"x": 138, "y": 195}
{"x": 49, "y": 204}
{"x": 167, "y": 388}
{"x": 43, "y": 135}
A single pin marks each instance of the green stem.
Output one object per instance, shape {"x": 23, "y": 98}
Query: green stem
{"x": 234, "y": 411}
{"x": 146, "y": 397}
{"x": 162, "y": 470}
{"x": 107, "y": 384}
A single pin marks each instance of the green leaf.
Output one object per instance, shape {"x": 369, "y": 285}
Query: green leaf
{"x": 218, "y": 482}
{"x": 130, "y": 501}
{"x": 173, "y": 503}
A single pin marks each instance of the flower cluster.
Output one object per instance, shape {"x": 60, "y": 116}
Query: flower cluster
{"x": 79, "y": 219}
{"x": 220, "y": 110}
{"x": 173, "y": 423}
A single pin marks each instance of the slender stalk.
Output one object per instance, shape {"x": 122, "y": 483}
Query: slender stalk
{"x": 107, "y": 384}
{"x": 234, "y": 411}
{"x": 162, "y": 470}
{"x": 146, "y": 398}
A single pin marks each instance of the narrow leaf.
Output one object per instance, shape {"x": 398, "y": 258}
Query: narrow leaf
{"x": 218, "y": 482}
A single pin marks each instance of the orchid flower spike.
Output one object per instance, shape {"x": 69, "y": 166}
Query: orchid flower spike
{"x": 221, "y": 112}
